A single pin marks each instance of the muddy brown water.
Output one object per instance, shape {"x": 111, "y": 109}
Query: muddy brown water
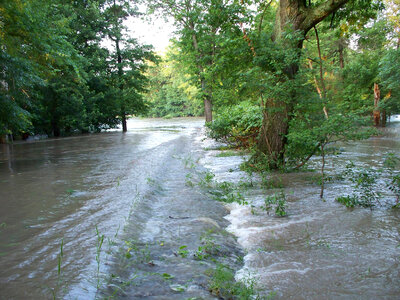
{"x": 321, "y": 250}
{"x": 133, "y": 188}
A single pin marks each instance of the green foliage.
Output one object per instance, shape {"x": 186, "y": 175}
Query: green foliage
{"x": 365, "y": 185}
{"x": 237, "y": 124}
{"x": 182, "y": 251}
{"x": 310, "y": 131}
{"x": 170, "y": 93}
{"x": 392, "y": 163}
{"x": 57, "y": 78}
{"x": 348, "y": 201}
{"x": 223, "y": 284}
{"x": 389, "y": 72}
{"x": 276, "y": 201}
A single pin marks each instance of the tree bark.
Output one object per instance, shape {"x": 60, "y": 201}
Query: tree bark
{"x": 121, "y": 86}
{"x": 377, "y": 98}
{"x": 341, "y": 54}
{"x": 207, "y": 95}
{"x": 292, "y": 15}
{"x": 3, "y": 139}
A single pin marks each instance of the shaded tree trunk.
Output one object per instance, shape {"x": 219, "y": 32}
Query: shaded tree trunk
{"x": 3, "y": 139}
{"x": 291, "y": 15}
{"x": 207, "y": 98}
{"x": 121, "y": 87}
{"x": 207, "y": 95}
{"x": 377, "y": 98}
{"x": 341, "y": 54}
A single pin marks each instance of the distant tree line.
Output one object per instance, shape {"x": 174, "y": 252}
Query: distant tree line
{"x": 58, "y": 77}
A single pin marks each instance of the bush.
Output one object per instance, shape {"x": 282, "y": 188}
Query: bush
{"x": 237, "y": 125}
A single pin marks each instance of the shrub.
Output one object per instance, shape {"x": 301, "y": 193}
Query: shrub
{"x": 237, "y": 124}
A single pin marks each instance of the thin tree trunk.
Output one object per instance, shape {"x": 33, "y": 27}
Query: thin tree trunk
{"x": 383, "y": 118}
{"x": 341, "y": 54}
{"x": 121, "y": 86}
{"x": 321, "y": 72}
{"x": 207, "y": 94}
{"x": 377, "y": 98}
{"x": 321, "y": 195}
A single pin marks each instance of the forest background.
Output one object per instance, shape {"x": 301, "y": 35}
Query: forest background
{"x": 286, "y": 84}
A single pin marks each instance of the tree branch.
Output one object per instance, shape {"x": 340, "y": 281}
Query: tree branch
{"x": 316, "y": 14}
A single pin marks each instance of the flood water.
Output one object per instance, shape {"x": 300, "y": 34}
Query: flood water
{"x": 321, "y": 250}
{"x": 133, "y": 188}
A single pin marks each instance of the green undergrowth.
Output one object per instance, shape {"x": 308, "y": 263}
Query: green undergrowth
{"x": 371, "y": 185}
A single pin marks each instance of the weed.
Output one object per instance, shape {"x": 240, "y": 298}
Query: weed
{"x": 223, "y": 285}
{"x": 229, "y": 153}
{"x": 60, "y": 256}
{"x": 220, "y": 148}
{"x": 189, "y": 163}
{"x": 365, "y": 181}
{"x": 99, "y": 244}
{"x": 225, "y": 186}
{"x": 167, "y": 276}
{"x": 70, "y": 191}
{"x": 121, "y": 284}
{"x": 391, "y": 162}
{"x": 189, "y": 181}
{"x": 182, "y": 251}
{"x": 232, "y": 197}
{"x": 277, "y": 201}
{"x": 349, "y": 201}
{"x": 245, "y": 184}
{"x": 271, "y": 182}
{"x": 207, "y": 179}
{"x": 177, "y": 287}
{"x": 141, "y": 254}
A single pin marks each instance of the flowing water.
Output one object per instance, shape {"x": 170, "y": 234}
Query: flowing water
{"x": 133, "y": 189}
{"x": 321, "y": 250}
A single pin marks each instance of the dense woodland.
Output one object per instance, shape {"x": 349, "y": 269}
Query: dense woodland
{"x": 285, "y": 77}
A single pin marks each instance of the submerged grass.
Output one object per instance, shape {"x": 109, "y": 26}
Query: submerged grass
{"x": 223, "y": 285}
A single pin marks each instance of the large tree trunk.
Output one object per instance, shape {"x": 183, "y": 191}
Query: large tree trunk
{"x": 292, "y": 15}
{"x": 273, "y": 133}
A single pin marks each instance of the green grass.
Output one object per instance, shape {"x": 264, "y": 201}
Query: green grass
{"x": 230, "y": 153}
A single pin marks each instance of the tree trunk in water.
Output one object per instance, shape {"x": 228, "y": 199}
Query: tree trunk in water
{"x": 207, "y": 94}
{"x": 121, "y": 86}
{"x": 124, "y": 126}
{"x": 383, "y": 118}
{"x": 377, "y": 98}
{"x": 207, "y": 102}
{"x": 273, "y": 133}
{"x": 3, "y": 139}
{"x": 291, "y": 15}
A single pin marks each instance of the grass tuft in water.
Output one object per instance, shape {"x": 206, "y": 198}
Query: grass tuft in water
{"x": 223, "y": 285}
{"x": 99, "y": 244}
